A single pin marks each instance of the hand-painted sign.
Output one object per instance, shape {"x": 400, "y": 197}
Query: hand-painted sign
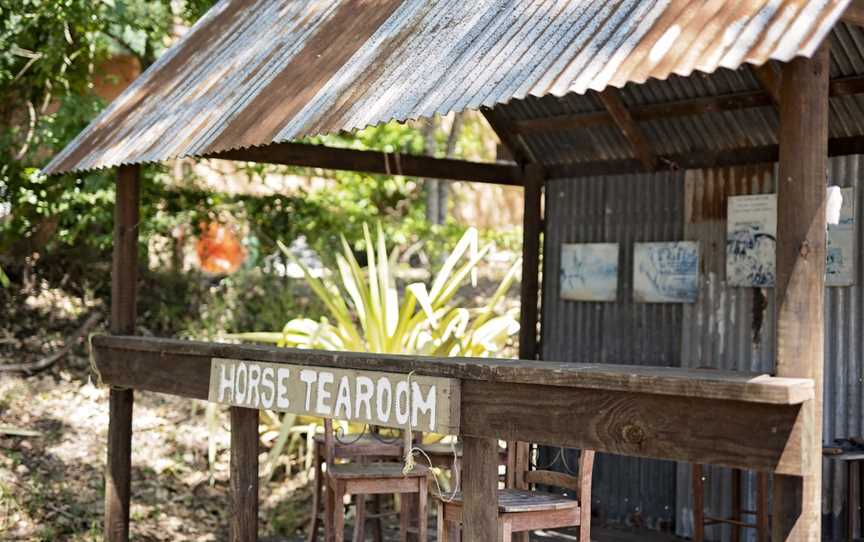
{"x": 589, "y": 271}
{"x": 384, "y": 399}
{"x": 666, "y": 272}
{"x": 751, "y": 239}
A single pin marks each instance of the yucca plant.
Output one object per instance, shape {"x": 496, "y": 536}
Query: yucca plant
{"x": 365, "y": 313}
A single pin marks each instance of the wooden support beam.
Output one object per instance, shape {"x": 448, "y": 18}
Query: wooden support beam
{"x": 769, "y": 79}
{"x": 613, "y": 103}
{"x": 854, "y": 14}
{"x": 532, "y": 224}
{"x": 320, "y": 156}
{"x": 480, "y": 489}
{"x": 124, "y": 279}
{"x": 683, "y": 429}
{"x": 800, "y": 285}
{"x": 767, "y": 154}
{"x": 183, "y": 368}
{"x": 244, "y": 475}
{"x": 506, "y": 132}
{"x": 682, "y": 108}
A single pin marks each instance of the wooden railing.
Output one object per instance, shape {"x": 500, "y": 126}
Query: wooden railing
{"x": 736, "y": 419}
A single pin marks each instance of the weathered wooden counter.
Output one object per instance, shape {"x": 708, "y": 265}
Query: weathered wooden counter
{"x": 731, "y": 419}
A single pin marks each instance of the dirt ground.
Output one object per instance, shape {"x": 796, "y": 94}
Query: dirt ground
{"x": 51, "y": 483}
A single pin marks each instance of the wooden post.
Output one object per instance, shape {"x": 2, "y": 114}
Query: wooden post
{"x": 244, "y": 475}
{"x": 532, "y": 225}
{"x": 124, "y": 278}
{"x": 800, "y": 288}
{"x": 480, "y": 489}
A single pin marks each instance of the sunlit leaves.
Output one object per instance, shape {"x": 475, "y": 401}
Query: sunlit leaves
{"x": 367, "y": 315}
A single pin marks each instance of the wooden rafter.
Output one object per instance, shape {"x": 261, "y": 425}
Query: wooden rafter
{"x": 613, "y": 103}
{"x": 696, "y": 106}
{"x": 769, "y": 79}
{"x": 766, "y": 154}
{"x": 320, "y": 156}
{"x": 854, "y": 13}
{"x": 506, "y": 132}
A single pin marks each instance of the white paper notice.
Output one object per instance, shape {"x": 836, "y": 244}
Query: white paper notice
{"x": 840, "y": 263}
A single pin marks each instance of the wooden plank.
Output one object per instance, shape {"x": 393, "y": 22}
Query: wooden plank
{"x": 766, "y": 154}
{"x": 244, "y": 475}
{"x": 800, "y": 285}
{"x": 854, "y": 14}
{"x": 555, "y": 479}
{"x": 124, "y": 278}
{"x": 611, "y": 100}
{"x": 371, "y": 397}
{"x": 719, "y": 432}
{"x": 844, "y": 86}
{"x": 480, "y": 489}
{"x": 320, "y": 156}
{"x": 183, "y": 368}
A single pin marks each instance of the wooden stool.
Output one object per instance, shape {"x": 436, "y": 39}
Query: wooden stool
{"x": 700, "y": 520}
{"x": 354, "y": 447}
{"x": 375, "y": 479}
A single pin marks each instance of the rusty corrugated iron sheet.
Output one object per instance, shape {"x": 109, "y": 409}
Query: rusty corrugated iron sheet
{"x": 253, "y": 72}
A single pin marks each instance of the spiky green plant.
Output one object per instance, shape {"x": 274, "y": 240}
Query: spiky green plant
{"x": 366, "y": 314}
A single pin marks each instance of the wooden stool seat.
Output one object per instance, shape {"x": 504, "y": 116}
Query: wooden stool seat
{"x": 520, "y": 500}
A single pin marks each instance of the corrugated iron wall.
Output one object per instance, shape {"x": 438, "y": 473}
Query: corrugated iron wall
{"x": 728, "y": 328}
{"x": 623, "y": 209}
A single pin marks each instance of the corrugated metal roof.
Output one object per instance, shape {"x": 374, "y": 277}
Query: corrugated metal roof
{"x": 253, "y": 72}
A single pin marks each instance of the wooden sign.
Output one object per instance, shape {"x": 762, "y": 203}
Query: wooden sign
{"x": 384, "y": 399}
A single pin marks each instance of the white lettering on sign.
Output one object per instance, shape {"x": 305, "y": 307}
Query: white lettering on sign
{"x": 385, "y": 399}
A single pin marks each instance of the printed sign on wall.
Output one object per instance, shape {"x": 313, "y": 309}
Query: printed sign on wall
{"x": 751, "y": 239}
{"x": 589, "y": 271}
{"x": 385, "y": 399}
{"x": 666, "y": 272}
{"x": 840, "y": 263}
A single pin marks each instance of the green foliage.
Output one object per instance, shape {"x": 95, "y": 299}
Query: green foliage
{"x": 51, "y": 50}
{"x": 368, "y": 316}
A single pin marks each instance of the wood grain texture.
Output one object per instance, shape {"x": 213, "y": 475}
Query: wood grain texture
{"x": 529, "y": 293}
{"x": 800, "y": 283}
{"x": 118, "y": 471}
{"x": 183, "y": 368}
{"x": 719, "y": 432}
{"x": 124, "y": 278}
{"x": 124, "y": 265}
{"x": 372, "y": 397}
{"x": 480, "y": 489}
{"x": 243, "y": 525}
{"x": 321, "y": 156}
